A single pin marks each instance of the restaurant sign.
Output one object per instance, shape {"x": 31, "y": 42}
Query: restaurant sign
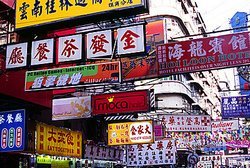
{"x": 12, "y": 130}
{"x": 121, "y": 102}
{"x": 56, "y": 141}
{"x": 183, "y": 123}
{"x": 71, "y": 108}
{"x": 138, "y": 132}
{"x": 203, "y": 54}
{"x": 35, "y": 13}
{"x": 158, "y": 153}
{"x": 73, "y": 76}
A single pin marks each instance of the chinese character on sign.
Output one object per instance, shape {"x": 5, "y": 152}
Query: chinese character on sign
{"x": 38, "y": 82}
{"x": 52, "y": 134}
{"x": 216, "y": 44}
{"x": 238, "y": 42}
{"x": 175, "y": 52}
{"x": 65, "y": 3}
{"x": 18, "y": 117}
{"x": 70, "y": 139}
{"x": 62, "y": 80}
{"x": 2, "y": 119}
{"x": 128, "y": 39}
{"x": 9, "y": 119}
{"x": 69, "y": 48}
{"x": 61, "y": 137}
{"x": 16, "y": 56}
{"x": 50, "y": 6}
{"x": 23, "y": 10}
{"x": 81, "y": 3}
{"x": 37, "y": 10}
{"x": 196, "y": 49}
{"x": 75, "y": 78}
{"x": 50, "y": 81}
{"x": 41, "y": 51}
{"x": 98, "y": 43}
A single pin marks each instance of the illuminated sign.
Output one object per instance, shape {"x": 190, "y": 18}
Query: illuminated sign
{"x": 130, "y": 133}
{"x": 203, "y": 54}
{"x": 73, "y": 76}
{"x": 56, "y": 141}
{"x": 121, "y": 102}
{"x": 71, "y": 108}
{"x": 12, "y": 130}
{"x": 34, "y": 12}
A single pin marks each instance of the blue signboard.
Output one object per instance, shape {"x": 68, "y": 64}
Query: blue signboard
{"x": 235, "y": 107}
{"x": 239, "y": 20}
{"x": 12, "y": 130}
{"x": 244, "y": 86}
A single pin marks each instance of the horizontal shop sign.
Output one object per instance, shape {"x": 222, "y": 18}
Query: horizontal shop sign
{"x": 225, "y": 125}
{"x": 204, "y": 54}
{"x": 73, "y": 76}
{"x": 121, "y": 102}
{"x": 137, "y": 132}
{"x": 32, "y": 13}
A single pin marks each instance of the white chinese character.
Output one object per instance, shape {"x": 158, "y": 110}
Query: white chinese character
{"x": 216, "y": 44}
{"x": 234, "y": 101}
{"x": 175, "y": 52}
{"x": 9, "y": 119}
{"x": 238, "y": 42}
{"x": 18, "y": 117}
{"x": 2, "y": 119}
{"x": 196, "y": 49}
{"x": 37, "y": 82}
{"x": 50, "y": 81}
{"x": 225, "y": 101}
{"x": 62, "y": 81}
{"x": 75, "y": 78}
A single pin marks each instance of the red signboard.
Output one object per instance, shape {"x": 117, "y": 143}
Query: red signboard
{"x": 121, "y": 102}
{"x": 204, "y": 54}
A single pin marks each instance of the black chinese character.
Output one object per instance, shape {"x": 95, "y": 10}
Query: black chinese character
{"x": 50, "y": 5}
{"x": 96, "y": 1}
{"x": 23, "y": 9}
{"x": 65, "y": 3}
{"x": 81, "y": 3}
{"x": 37, "y": 10}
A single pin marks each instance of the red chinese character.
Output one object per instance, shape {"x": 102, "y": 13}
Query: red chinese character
{"x": 147, "y": 130}
{"x": 69, "y": 139}
{"x": 98, "y": 43}
{"x": 169, "y": 145}
{"x": 163, "y": 121}
{"x": 149, "y": 146}
{"x": 133, "y": 130}
{"x": 52, "y": 135}
{"x": 171, "y": 120}
{"x": 196, "y": 121}
{"x": 16, "y": 56}
{"x": 61, "y": 137}
{"x": 140, "y": 129}
{"x": 189, "y": 121}
{"x": 128, "y": 38}
{"x": 42, "y": 50}
{"x": 159, "y": 145}
{"x": 69, "y": 48}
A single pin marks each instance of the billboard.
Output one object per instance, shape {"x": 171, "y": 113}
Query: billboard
{"x": 138, "y": 132}
{"x": 12, "y": 130}
{"x": 71, "y": 108}
{"x": 235, "y": 107}
{"x": 73, "y": 76}
{"x": 121, "y": 102}
{"x": 36, "y": 13}
{"x": 56, "y": 141}
{"x": 204, "y": 54}
{"x": 183, "y": 123}
{"x": 158, "y": 153}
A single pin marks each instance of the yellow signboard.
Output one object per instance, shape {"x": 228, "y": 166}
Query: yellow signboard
{"x": 58, "y": 141}
{"x": 37, "y": 12}
{"x": 130, "y": 133}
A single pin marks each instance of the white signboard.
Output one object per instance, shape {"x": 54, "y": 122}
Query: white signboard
{"x": 42, "y": 52}
{"x": 71, "y": 108}
{"x": 16, "y": 55}
{"x": 70, "y": 48}
{"x": 95, "y": 152}
{"x": 159, "y": 153}
{"x": 99, "y": 44}
{"x": 206, "y": 158}
{"x": 189, "y": 123}
{"x": 130, "y": 39}
{"x": 225, "y": 125}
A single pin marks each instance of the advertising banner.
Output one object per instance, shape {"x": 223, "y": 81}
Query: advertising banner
{"x": 121, "y": 102}
{"x": 33, "y": 13}
{"x": 182, "y": 123}
{"x": 158, "y": 153}
{"x": 204, "y": 54}
{"x": 235, "y": 106}
{"x": 130, "y": 133}
{"x": 225, "y": 125}
{"x": 71, "y": 108}
{"x": 56, "y": 141}
{"x": 16, "y": 55}
{"x": 73, "y": 76}
{"x": 12, "y": 128}
{"x": 94, "y": 152}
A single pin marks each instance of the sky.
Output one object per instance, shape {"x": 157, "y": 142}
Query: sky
{"x": 217, "y": 13}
